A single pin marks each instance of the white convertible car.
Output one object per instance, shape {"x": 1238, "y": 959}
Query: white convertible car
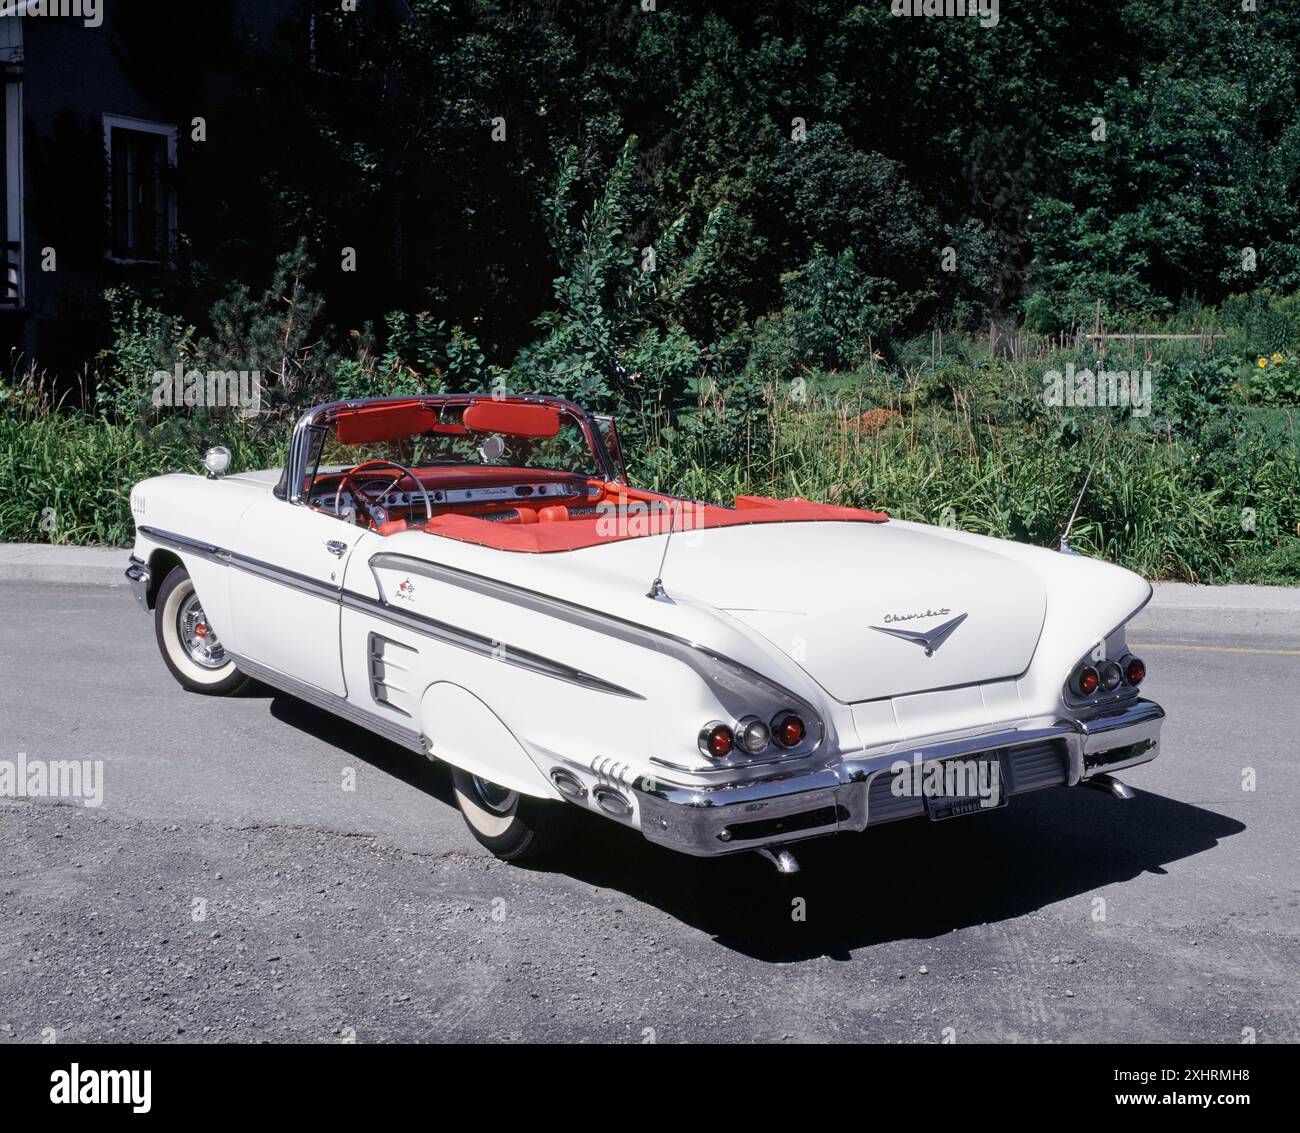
{"x": 473, "y": 577}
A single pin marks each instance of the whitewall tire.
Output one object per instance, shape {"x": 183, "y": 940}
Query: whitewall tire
{"x": 513, "y": 826}
{"x": 190, "y": 647}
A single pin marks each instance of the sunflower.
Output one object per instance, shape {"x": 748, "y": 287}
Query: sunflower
{"x": 1262, "y": 363}
{"x": 1278, "y": 359}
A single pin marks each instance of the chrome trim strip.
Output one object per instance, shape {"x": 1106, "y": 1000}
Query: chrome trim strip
{"x": 182, "y": 543}
{"x": 690, "y": 652}
{"x": 269, "y": 571}
{"x": 483, "y": 646}
{"x": 327, "y": 701}
{"x": 290, "y": 485}
{"x": 1151, "y": 590}
{"x": 283, "y": 576}
{"x": 418, "y": 623}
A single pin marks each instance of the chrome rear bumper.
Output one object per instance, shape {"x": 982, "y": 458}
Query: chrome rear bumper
{"x": 856, "y": 792}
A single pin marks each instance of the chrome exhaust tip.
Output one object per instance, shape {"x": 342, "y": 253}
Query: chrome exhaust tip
{"x": 1111, "y": 785}
{"x": 780, "y": 857}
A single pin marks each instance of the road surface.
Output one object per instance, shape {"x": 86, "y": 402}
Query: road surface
{"x": 231, "y": 888}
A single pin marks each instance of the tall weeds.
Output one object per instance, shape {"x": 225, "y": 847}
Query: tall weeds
{"x": 1200, "y": 490}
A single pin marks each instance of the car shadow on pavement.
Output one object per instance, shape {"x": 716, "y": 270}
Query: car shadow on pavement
{"x": 907, "y": 880}
{"x": 910, "y": 879}
{"x": 411, "y": 768}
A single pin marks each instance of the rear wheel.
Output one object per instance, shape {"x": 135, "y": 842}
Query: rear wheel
{"x": 189, "y": 645}
{"x": 512, "y": 825}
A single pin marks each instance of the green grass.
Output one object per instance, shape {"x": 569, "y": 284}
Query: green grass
{"x": 969, "y": 442}
{"x": 67, "y": 477}
{"x": 1219, "y": 504}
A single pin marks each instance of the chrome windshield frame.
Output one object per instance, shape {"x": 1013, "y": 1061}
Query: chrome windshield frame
{"x": 293, "y": 476}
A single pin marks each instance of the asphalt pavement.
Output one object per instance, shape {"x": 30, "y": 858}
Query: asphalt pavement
{"x": 260, "y": 871}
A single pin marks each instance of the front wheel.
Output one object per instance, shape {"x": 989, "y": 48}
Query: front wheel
{"x": 189, "y": 645}
{"x": 513, "y": 826}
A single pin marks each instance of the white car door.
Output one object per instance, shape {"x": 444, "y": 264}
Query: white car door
{"x": 285, "y": 580}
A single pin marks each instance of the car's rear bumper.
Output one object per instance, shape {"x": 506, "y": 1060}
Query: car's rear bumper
{"x": 859, "y": 791}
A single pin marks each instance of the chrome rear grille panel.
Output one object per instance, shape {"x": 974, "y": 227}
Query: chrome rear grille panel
{"x": 1028, "y": 768}
{"x": 884, "y": 806}
{"x": 1035, "y": 766}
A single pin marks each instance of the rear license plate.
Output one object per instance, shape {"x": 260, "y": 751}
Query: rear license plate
{"x": 968, "y": 786}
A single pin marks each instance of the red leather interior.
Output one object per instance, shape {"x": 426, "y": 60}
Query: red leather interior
{"x": 554, "y": 531}
{"x": 513, "y": 418}
{"x": 539, "y": 527}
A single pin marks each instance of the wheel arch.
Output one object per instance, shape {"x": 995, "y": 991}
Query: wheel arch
{"x": 161, "y": 563}
{"x": 466, "y": 733}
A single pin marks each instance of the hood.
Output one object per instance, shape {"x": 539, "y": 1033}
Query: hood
{"x": 851, "y": 602}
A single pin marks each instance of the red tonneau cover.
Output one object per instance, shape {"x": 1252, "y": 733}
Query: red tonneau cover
{"x": 574, "y": 534}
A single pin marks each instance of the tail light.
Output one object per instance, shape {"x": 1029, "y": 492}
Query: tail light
{"x": 752, "y": 736}
{"x": 717, "y": 741}
{"x": 1110, "y": 675}
{"x": 1085, "y": 681}
{"x": 789, "y": 730}
{"x": 1135, "y": 670}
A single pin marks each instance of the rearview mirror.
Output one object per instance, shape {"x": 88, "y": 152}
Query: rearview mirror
{"x": 491, "y": 449}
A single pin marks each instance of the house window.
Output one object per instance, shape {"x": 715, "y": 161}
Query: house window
{"x": 11, "y": 172}
{"x": 142, "y": 208}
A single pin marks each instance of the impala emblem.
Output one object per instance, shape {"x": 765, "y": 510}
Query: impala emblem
{"x": 929, "y": 641}
{"x": 335, "y": 548}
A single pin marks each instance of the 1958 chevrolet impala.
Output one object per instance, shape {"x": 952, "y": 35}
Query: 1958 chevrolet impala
{"x": 473, "y": 577}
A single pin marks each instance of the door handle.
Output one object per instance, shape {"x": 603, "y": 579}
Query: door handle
{"x": 335, "y": 548}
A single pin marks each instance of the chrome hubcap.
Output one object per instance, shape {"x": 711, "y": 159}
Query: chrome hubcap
{"x": 197, "y": 637}
{"x": 498, "y": 799}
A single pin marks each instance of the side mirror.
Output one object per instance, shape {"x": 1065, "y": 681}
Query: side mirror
{"x": 216, "y": 461}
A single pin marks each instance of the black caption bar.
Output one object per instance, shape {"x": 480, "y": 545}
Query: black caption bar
{"x": 335, "y": 1082}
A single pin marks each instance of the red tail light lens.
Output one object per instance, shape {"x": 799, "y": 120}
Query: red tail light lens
{"x": 716, "y": 740}
{"x": 1135, "y": 671}
{"x": 1086, "y": 680}
{"x": 789, "y": 730}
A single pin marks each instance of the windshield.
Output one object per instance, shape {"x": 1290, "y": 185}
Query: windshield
{"x": 436, "y": 436}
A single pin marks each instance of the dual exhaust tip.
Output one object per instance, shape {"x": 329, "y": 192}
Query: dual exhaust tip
{"x": 1110, "y": 785}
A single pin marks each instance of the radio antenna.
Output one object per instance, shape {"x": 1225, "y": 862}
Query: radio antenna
{"x": 1064, "y": 546}
{"x": 657, "y": 591}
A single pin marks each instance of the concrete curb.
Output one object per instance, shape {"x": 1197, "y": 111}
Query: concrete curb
{"x": 1176, "y": 610}
{"x": 1189, "y": 612}
{"x": 40, "y": 562}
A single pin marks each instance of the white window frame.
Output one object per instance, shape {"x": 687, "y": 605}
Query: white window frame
{"x": 11, "y": 105}
{"x": 143, "y": 126}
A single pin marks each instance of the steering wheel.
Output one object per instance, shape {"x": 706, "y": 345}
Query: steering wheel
{"x": 375, "y": 509}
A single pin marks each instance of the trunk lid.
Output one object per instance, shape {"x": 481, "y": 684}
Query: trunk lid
{"x": 849, "y": 601}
